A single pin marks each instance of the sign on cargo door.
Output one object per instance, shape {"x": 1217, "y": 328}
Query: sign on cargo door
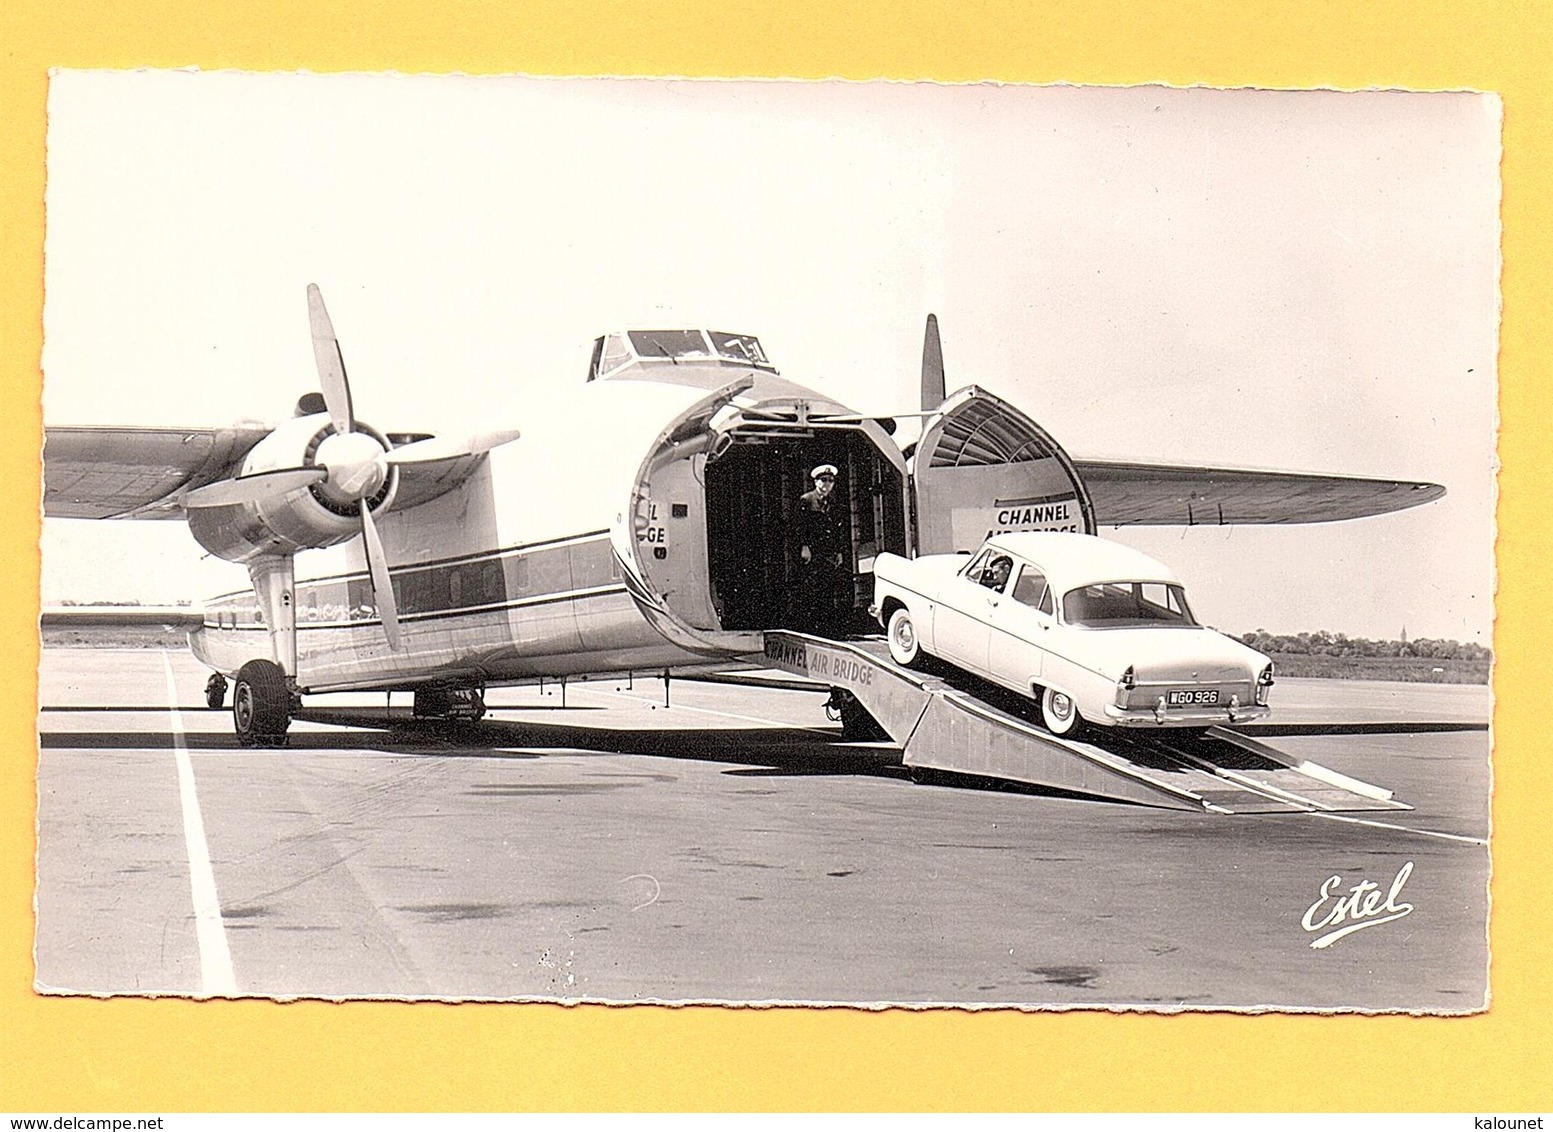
{"x": 982, "y": 468}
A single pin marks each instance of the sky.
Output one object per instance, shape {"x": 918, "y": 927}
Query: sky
{"x": 1300, "y": 281}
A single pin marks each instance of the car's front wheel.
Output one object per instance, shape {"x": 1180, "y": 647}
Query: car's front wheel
{"x": 902, "y": 636}
{"x": 1060, "y": 714}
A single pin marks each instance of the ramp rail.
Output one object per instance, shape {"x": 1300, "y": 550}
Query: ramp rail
{"x": 943, "y": 722}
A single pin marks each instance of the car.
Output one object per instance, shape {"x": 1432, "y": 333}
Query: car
{"x": 1096, "y": 633}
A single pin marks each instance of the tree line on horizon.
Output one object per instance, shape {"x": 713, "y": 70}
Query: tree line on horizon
{"x": 1323, "y": 643}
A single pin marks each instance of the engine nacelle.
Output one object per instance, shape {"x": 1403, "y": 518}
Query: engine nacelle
{"x": 310, "y": 517}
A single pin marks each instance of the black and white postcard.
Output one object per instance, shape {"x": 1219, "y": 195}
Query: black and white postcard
{"x": 763, "y": 542}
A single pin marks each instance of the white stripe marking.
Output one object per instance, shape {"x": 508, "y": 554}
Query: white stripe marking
{"x": 215, "y": 957}
{"x": 1402, "y": 828}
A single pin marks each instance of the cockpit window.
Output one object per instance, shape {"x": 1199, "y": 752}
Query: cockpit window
{"x": 1128, "y": 604}
{"x": 738, "y": 347}
{"x": 675, "y": 344}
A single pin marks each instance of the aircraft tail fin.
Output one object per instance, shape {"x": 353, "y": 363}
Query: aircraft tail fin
{"x": 932, "y": 366}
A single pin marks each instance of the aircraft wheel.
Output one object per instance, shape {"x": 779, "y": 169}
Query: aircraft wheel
{"x": 215, "y": 691}
{"x": 261, "y": 705}
{"x": 902, "y": 636}
{"x": 1060, "y": 714}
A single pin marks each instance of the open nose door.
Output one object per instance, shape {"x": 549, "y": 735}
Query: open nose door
{"x": 982, "y": 467}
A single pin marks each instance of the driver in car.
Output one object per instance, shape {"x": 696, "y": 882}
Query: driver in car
{"x": 995, "y": 576}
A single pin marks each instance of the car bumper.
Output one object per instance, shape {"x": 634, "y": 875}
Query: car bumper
{"x": 1183, "y": 717}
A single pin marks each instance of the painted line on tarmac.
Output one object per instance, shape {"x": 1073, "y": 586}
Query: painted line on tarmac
{"x": 216, "y": 973}
{"x": 1403, "y": 828}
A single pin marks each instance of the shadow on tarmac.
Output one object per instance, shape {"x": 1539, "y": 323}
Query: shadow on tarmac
{"x": 766, "y": 752}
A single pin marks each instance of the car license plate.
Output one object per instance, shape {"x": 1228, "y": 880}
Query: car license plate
{"x": 1190, "y": 698}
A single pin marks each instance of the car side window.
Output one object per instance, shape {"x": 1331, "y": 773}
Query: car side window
{"x": 995, "y": 574}
{"x": 1032, "y": 590}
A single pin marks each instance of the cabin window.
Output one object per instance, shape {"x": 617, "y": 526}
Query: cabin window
{"x": 358, "y": 597}
{"x": 518, "y": 581}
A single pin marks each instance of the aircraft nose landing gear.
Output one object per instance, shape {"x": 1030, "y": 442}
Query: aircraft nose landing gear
{"x": 215, "y": 691}
{"x": 261, "y": 704}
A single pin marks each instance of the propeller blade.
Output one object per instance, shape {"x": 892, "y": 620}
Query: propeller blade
{"x": 331, "y": 363}
{"x": 257, "y": 488}
{"x": 932, "y": 366}
{"x": 449, "y": 447}
{"x": 382, "y": 584}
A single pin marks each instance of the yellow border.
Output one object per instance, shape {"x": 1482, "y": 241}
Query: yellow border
{"x": 82, "y": 1056}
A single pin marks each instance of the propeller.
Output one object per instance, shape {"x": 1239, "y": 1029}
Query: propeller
{"x": 331, "y": 363}
{"x": 448, "y": 448}
{"x": 257, "y": 488}
{"x": 354, "y": 462}
{"x": 382, "y": 584}
{"x": 350, "y": 465}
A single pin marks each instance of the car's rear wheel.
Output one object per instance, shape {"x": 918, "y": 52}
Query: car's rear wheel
{"x": 1060, "y": 714}
{"x": 902, "y": 636}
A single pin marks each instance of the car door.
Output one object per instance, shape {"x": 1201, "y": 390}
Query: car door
{"x": 1021, "y": 625}
{"x": 962, "y": 624}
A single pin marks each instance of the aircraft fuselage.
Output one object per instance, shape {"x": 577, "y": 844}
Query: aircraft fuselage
{"x": 648, "y": 523}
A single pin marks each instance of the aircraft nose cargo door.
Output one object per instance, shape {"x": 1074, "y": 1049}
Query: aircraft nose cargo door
{"x": 982, "y": 467}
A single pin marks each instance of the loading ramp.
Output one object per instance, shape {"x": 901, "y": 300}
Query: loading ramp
{"x": 946, "y": 723}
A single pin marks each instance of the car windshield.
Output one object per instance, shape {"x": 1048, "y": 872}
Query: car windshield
{"x": 1130, "y": 604}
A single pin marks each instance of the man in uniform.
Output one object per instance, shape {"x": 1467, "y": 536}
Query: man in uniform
{"x": 823, "y": 545}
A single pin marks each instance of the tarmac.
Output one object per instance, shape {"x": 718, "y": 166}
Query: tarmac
{"x": 712, "y": 843}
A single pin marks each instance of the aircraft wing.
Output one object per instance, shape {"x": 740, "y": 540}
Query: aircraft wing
{"x": 136, "y": 473}
{"x": 121, "y": 617}
{"x": 1127, "y": 494}
{"x": 144, "y": 473}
